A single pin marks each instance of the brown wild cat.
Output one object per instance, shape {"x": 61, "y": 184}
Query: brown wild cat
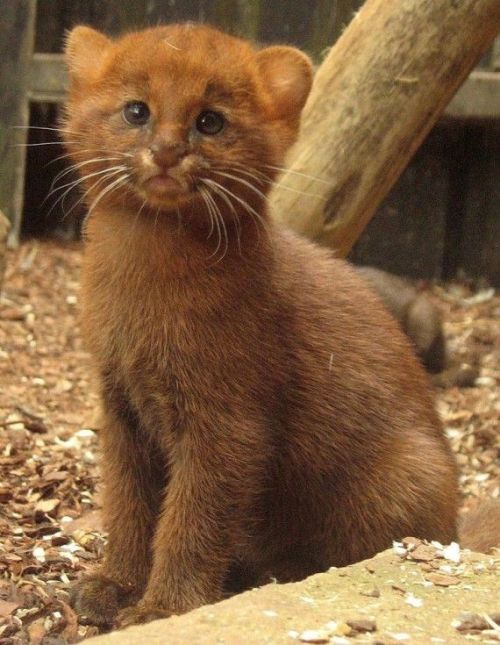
{"x": 257, "y": 420}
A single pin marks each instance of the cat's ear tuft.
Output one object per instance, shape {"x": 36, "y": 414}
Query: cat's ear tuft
{"x": 83, "y": 51}
{"x": 287, "y": 73}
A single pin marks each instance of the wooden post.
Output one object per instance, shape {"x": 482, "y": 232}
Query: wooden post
{"x": 16, "y": 47}
{"x": 375, "y": 97}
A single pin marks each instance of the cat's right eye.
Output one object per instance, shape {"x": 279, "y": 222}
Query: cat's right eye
{"x": 136, "y": 113}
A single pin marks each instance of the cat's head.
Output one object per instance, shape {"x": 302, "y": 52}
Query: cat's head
{"x": 166, "y": 115}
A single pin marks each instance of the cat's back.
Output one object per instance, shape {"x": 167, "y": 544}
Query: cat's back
{"x": 346, "y": 344}
{"x": 327, "y": 292}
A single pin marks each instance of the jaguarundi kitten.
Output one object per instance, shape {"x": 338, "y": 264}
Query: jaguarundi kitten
{"x": 258, "y": 420}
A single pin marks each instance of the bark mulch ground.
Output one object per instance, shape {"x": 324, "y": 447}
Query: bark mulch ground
{"x": 50, "y": 530}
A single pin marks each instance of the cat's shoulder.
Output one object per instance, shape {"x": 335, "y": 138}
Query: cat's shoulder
{"x": 301, "y": 256}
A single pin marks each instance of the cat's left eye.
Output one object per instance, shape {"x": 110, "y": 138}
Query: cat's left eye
{"x": 136, "y": 113}
{"x": 209, "y": 122}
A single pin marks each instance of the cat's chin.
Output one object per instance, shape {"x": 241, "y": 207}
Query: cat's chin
{"x": 168, "y": 200}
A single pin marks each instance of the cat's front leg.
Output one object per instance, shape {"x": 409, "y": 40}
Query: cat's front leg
{"x": 215, "y": 477}
{"x": 132, "y": 498}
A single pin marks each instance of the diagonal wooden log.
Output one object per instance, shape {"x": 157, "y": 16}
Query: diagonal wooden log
{"x": 375, "y": 97}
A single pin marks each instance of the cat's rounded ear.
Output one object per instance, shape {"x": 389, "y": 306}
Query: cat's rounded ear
{"x": 287, "y": 73}
{"x": 84, "y": 50}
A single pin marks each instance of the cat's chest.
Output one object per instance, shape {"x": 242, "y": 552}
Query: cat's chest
{"x": 153, "y": 325}
{"x": 151, "y": 342}
{"x": 172, "y": 342}
{"x": 161, "y": 331}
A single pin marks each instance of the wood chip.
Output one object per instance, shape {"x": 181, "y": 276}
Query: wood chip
{"x": 314, "y": 636}
{"x": 48, "y": 506}
{"x": 7, "y": 607}
{"x": 362, "y": 625}
{"x": 423, "y": 553}
{"x": 442, "y": 580}
{"x": 472, "y": 623}
{"x": 411, "y": 543}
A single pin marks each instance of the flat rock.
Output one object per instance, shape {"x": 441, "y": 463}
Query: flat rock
{"x": 340, "y": 607}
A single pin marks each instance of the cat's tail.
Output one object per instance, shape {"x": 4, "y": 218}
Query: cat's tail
{"x": 479, "y": 528}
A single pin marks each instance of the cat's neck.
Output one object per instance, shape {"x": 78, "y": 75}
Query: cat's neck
{"x": 179, "y": 242}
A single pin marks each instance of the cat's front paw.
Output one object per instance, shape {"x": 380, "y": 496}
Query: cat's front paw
{"x": 141, "y": 613}
{"x": 97, "y": 599}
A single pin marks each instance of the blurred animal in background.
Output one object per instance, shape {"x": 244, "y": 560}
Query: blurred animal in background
{"x": 418, "y": 316}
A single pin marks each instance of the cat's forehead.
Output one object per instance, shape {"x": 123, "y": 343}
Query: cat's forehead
{"x": 181, "y": 65}
{"x": 182, "y": 52}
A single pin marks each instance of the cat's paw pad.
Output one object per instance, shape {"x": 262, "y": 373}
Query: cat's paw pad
{"x": 98, "y": 599}
{"x": 140, "y": 613}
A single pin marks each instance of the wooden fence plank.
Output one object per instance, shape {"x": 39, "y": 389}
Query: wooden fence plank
{"x": 406, "y": 234}
{"x": 478, "y": 98}
{"x": 473, "y": 230}
{"x": 48, "y": 78}
{"x": 16, "y": 43}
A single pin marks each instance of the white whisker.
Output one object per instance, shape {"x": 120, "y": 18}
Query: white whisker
{"x": 86, "y": 151}
{"x": 214, "y": 222}
{"x": 243, "y": 182}
{"x": 250, "y": 210}
{"x": 296, "y": 190}
{"x": 246, "y": 173}
{"x": 300, "y": 174}
{"x": 245, "y": 169}
{"x": 39, "y": 127}
{"x": 271, "y": 182}
{"x": 75, "y": 167}
{"x": 210, "y": 212}
{"x": 215, "y": 188}
{"x": 156, "y": 218}
{"x": 105, "y": 191}
{"x": 220, "y": 218}
{"x": 47, "y": 143}
{"x": 136, "y": 219}
{"x": 62, "y": 198}
{"x": 72, "y": 184}
{"x": 86, "y": 193}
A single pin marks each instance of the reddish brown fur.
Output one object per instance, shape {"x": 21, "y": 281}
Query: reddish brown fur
{"x": 257, "y": 420}
{"x": 480, "y": 527}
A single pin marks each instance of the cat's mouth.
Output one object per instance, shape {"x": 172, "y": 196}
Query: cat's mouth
{"x": 166, "y": 186}
{"x": 163, "y": 184}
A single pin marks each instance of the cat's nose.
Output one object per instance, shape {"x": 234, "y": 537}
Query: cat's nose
{"x": 167, "y": 153}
